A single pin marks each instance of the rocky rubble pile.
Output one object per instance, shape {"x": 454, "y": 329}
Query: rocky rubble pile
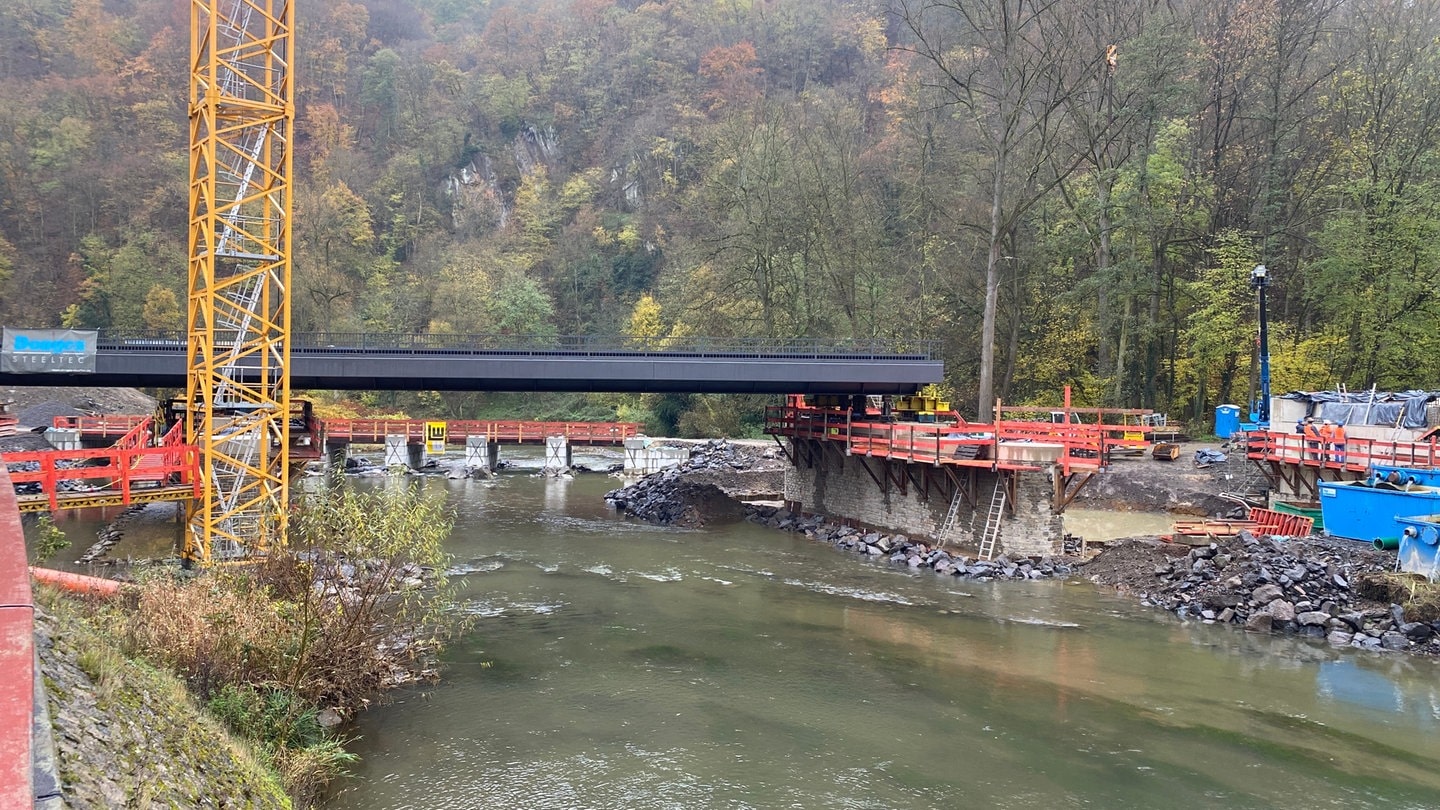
{"x": 699, "y": 490}
{"x": 899, "y": 549}
{"x": 1302, "y": 587}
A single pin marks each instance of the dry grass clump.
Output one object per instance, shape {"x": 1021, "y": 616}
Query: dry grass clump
{"x": 213, "y": 630}
{"x": 1419, "y": 596}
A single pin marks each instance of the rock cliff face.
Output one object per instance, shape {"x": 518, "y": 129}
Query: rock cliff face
{"x": 127, "y": 735}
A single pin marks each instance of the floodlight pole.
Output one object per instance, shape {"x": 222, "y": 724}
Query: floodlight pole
{"x": 1260, "y": 280}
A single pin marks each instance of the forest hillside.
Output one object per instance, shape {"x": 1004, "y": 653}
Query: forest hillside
{"x": 1058, "y": 192}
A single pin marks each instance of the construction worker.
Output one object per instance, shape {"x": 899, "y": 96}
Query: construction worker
{"x": 1338, "y": 437}
{"x": 1312, "y": 437}
{"x": 1327, "y": 439}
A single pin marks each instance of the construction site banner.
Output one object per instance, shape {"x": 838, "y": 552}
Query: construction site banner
{"x": 28, "y": 351}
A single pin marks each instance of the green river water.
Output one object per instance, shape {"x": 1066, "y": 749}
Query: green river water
{"x": 619, "y": 665}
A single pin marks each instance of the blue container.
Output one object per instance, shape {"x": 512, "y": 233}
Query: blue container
{"x": 1359, "y": 511}
{"x": 1227, "y": 420}
{"x": 1424, "y": 476}
{"x": 1419, "y": 544}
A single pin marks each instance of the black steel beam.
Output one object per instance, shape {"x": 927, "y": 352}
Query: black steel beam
{"x": 459, "y": 370}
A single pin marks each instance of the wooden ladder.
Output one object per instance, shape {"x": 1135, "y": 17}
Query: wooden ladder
{"x": 991, "y": 536}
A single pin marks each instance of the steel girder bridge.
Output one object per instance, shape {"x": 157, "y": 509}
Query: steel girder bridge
{"x": 520, "y": 363}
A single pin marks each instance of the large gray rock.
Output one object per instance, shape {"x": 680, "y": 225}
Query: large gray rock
{"x": 1313, "y": 618}
{"x": 1265, "y": 594}
{"x": 1259, "y": 622}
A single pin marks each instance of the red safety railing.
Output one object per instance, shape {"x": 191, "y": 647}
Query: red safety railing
{"x": 1009, "y": 444}
{"x": 457, "y": 431}
{"x": 138, "y": 436}
{"x": 113, "y": 470}
{"x": 104, "y": 425}
{"x": 1280, "y": 524}
{"x": 1355, "y": 455}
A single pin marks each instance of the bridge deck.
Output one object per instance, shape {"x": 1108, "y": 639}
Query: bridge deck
{"x": 488, "y": 363}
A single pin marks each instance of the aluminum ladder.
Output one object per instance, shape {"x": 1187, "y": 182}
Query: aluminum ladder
{"x": 991, "y": 535}
{"x": 951, "y": 518}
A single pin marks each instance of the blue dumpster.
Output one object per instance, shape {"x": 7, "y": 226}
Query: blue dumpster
{"x": 1227, "y": 420}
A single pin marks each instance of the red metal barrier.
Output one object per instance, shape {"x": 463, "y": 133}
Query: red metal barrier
{"x": 457, "y": 431}
{"x": 114, "y": 470}
{"x": 17, "y": 657}
{"x": 1355, "y": 455}
{"x": 104, "y": 425}
{"x": 1281, "y": 524}
{"x": 1007, "y": 445}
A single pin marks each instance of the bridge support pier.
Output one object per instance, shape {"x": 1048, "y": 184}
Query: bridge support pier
{"x": 913, "y": 499}
{"x": 64, "y": 438}
{"x": 336, "y": 456}
{"x": 415, "y": 455}
{"x": 482, "y": 455}
{"x": 396, "y": 453}
{"x": 557, "y": 455}
{"x": 642, "y": 459}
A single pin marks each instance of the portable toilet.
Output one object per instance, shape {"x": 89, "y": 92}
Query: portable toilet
{"x": 1227, "y": 420}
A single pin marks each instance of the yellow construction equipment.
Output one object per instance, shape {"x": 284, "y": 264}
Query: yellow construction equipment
{"x": 242, "y": 121}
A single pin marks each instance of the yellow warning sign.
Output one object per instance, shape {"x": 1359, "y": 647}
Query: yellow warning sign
{"x": 435, "y": 438}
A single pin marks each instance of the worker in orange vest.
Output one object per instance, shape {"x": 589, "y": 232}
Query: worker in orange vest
{"x": 1338, "y": 438}
{"x": 1327, "y": 439}
{"x": 1312, "y": 436}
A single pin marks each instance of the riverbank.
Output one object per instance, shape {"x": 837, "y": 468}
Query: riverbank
{"x": 1334, "y": 590}
{"x": 128, "y": 734}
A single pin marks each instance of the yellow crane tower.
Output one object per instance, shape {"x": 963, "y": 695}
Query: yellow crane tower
{"x": 237, "y": 397}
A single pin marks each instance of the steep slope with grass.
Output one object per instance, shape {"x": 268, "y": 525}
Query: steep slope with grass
{"x": 129, "y": 735}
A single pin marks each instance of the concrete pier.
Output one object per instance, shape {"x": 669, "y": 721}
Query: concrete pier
{"x": 396, "y": 452}
{"x": 557, "y": 455}
{"x": 914, "y": 499}
{"x": 643, "y": 458}
{"x": 481, "y": 455}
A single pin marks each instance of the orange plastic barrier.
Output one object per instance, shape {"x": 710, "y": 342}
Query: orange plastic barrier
{"x": 76, "y": 583}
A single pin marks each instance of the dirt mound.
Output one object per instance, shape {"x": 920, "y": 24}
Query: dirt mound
{"x": 1183, "y": 487}
{"x": 37, "y": 406}
{"x": 1131, "y": 564}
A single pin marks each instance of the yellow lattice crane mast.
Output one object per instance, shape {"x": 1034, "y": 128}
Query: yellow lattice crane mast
{"x": 242, "y": 119}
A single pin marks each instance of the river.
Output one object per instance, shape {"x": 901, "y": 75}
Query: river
{"x": 619, "y": 665}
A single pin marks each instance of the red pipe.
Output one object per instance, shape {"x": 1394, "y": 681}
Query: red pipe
{"x": 76, "y": 583}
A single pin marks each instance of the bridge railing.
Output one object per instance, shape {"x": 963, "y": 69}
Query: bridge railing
{"x": 104, "y": 425}
{"x": 368, "y": 343}
{"x": 518, "y": 431}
